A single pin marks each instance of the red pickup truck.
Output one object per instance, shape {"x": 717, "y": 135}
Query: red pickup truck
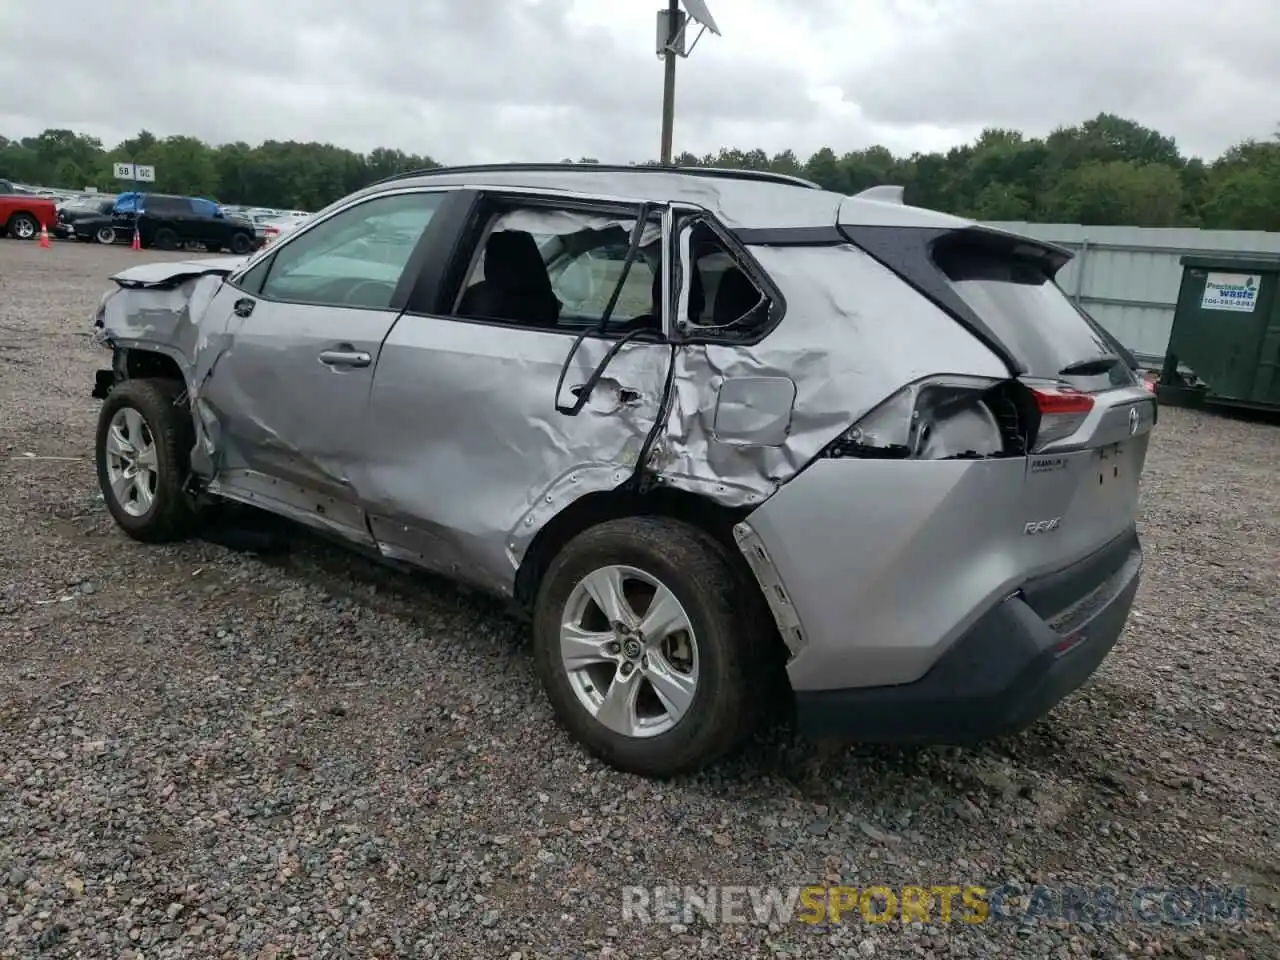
{"x": 23, "y": 214}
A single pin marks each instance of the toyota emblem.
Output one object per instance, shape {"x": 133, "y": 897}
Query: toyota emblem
{"x": 1135, "y": 420}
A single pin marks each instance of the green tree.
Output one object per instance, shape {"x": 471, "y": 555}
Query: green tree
{"x": 1242, "y": 191}
{"x": 1104, "y": 170}
{"x": 1118, "y": 192}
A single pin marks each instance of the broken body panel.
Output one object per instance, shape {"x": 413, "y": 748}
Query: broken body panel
{"x": 447, "y": 449}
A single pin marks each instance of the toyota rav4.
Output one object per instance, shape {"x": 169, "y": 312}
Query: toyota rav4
{"x": 708, "y": 428}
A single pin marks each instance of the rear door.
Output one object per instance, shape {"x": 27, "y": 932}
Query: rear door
{"x": 474, "y": 441}
{"x": 289, "y": 394}
{"x": 206, "y": 226}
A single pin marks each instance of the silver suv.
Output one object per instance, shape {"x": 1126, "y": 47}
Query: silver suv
{"x": 708, "y": 428}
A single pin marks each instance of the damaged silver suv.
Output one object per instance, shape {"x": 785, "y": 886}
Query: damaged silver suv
{"x": 708, "y": 428}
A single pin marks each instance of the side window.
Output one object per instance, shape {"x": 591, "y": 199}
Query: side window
{"x": 251, "y": 282}
{"x": 720, "y": 294}
{"x": 167, "y": 206}
{"x": 558, "y": 269}
{"x": 584, "y": 282}
{"x": 355, "y": 258}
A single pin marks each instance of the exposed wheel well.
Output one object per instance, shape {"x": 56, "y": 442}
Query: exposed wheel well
{"x": 595, "y": 508}
{"x": 705, "y": 514}
{"x": 137, "y": 364}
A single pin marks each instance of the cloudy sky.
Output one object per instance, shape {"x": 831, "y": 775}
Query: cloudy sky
{"x": 487, "y": 80}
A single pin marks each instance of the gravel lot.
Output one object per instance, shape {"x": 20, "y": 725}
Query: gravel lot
{"x": 212, "y": 753}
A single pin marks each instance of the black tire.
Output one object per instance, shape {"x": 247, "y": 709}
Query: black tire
{"x": 172, "y": 514}
{"x": 104, "y": 235}
{"x": 23, "y": 226}
{"x": 732, "y": 638}
{"x": 213, "y": 247}
{"x": 165, "y": 239}
{"x": 241, "y": 243}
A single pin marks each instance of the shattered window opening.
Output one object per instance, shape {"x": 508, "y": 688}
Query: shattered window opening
{"x": 721, "y": 293}
{"x": 559, "y": 271}
{"x": 355, "y": 258}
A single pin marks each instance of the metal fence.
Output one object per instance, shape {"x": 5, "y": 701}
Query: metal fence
{"x": 1127, "y": 278}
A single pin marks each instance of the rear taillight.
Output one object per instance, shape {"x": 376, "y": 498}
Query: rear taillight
{"x": 938, "y": 418}
{"x": 1063, "y": 410}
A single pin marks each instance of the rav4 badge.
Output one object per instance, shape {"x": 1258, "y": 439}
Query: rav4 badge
{"x": 1041, "y": 526}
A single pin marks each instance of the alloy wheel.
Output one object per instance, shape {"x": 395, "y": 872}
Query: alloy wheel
{"x": 131, "y": 462}
{"x": 630, "y": 651}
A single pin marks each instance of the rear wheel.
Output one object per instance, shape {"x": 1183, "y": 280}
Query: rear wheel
{"x": 241, "y": 243}
{"x": 213, "y": 247}
{"x": 23, "y": 226}
{"x": 650, "y": 647}
{"x": 165, "y": 239}
{"x": 105, "y": 235}
{"x": 144, "y": 442}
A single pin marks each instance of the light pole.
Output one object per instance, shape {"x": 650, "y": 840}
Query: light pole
{"x": 672, "y": 23}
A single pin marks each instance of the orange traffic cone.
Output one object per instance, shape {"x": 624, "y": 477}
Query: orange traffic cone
{"x": 44, "y": 237}
{"x": 137, "y": 241}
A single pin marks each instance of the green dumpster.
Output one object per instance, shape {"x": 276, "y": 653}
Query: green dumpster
{"x": 1224, "y": 347}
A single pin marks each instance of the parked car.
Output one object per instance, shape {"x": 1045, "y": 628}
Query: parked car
{"x": 706, "y": 428}
{"x": 87, "y": 218}
{"x": 273, "y": 228}
{"x": 24, "y": 214}
{"x": 10, "y": 188}
{"x": 168, "y": 222}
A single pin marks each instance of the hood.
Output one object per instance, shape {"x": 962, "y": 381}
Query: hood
{"x": 174, "y": 272}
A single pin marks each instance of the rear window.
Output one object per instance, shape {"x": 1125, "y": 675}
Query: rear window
{"x": 1033, "y": 318}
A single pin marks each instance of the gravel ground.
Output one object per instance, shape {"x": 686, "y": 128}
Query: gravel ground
{"x": 206, "y": 753}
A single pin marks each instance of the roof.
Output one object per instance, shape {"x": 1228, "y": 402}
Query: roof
{"x": 741, "y": 199}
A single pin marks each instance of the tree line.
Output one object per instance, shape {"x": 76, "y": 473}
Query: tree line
{"x": 1104, "y": 171}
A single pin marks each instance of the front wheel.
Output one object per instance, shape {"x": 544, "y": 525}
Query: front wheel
{"x": 650, "y": 647}
{"x": 105, "y": 235}
{"x": 143, "y": 447}
{"x": 23, "y": 226}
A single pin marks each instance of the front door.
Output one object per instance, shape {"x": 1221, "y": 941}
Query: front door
{"x": 289, "y": 391}
{"x": 472, "y": 449}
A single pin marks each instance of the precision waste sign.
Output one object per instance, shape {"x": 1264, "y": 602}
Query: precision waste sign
{"x": 1237, "y": 292}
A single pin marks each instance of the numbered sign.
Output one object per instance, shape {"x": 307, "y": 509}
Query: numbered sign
{"x": 145, "y": 174}
{"x": 124, "y": 171}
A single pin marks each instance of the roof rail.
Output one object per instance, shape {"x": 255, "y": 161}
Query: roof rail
{"x": 726, "y": 173}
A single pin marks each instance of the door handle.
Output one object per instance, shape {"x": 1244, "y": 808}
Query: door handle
{"x": 244, "y": 306}
{"x": 345, "y": 358}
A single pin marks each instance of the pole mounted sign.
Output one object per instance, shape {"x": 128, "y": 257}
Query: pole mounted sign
{"x": 138, "y": 172}
{"x": 672, "y": 23}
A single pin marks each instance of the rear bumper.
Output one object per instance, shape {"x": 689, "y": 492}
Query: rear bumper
{"x": 1009, "y": 669}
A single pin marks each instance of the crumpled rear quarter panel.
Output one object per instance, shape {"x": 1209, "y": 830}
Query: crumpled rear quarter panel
{"x": 852, "y": 334}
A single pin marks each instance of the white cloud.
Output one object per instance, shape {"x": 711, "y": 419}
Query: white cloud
{"x": 485, "y": 80}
